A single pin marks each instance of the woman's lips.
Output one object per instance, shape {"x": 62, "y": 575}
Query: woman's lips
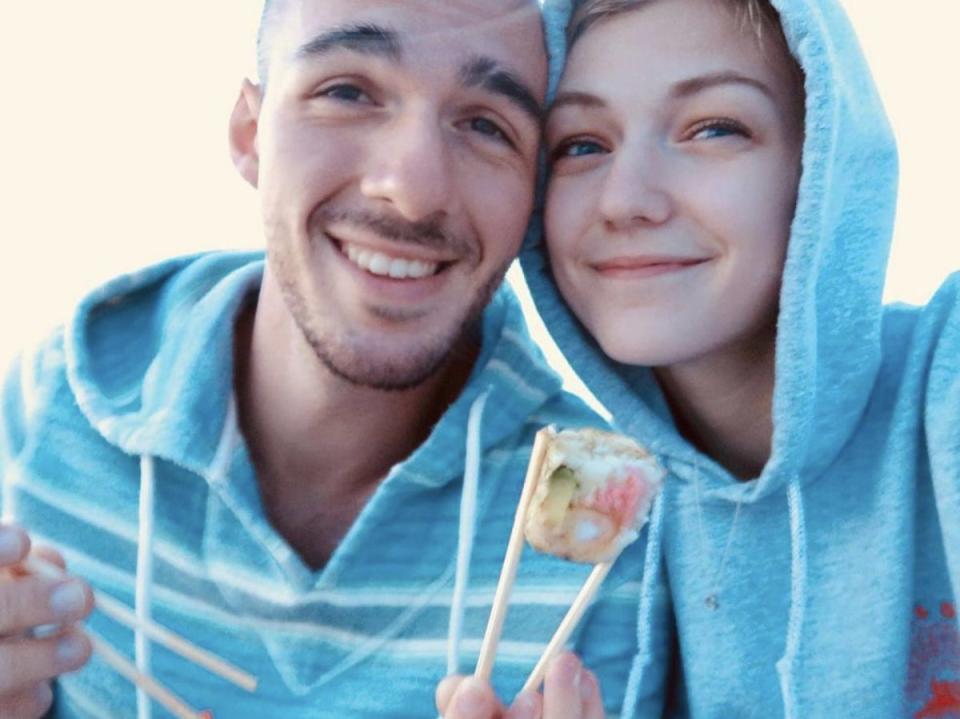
{"x": 644, "y": 266}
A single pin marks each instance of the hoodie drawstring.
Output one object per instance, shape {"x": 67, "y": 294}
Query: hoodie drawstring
{"x": 651, "y": 571}
{"x": 798, "y": 598}
{"x": 144, "y": 578}
{"x": 468, "y": 520}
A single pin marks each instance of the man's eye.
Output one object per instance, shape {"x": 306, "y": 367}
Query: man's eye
{"x": 343, "y": 92}
{"x": 489, "y": 128}
{"x": 576, "y": 148}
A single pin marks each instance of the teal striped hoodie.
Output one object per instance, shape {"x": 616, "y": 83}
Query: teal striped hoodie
{"x": 121, "y": 447}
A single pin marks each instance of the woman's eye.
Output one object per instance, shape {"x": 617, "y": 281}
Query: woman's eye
{"x": 715, "y": 130}
{"x": 577, "y": 148}
{"x": 343, "y": 92}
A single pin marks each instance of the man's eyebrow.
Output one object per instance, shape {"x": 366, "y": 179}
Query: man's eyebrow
{"x": 365, "y": 38}
{"x": 576, "y": 99}
{"x": 694, "y": 85}
{"x": 485, "y": 72}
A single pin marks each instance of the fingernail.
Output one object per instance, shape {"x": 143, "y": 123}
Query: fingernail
{"x": 588, "y": 686}
{"x": 567, "y": 670}
{"x": 70, "y": 650}
{"x": 67, "y": 599}
{"x": 470, "y": 697}
{"x": 525, "y": 705}
{"x": 11, "y": 545}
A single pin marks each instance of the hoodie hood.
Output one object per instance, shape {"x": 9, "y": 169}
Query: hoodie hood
{"x": 829, "y": 328}
{"x": 150, "y": 361}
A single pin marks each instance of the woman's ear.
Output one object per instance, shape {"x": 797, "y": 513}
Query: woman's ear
{"x": 244, "y": 124}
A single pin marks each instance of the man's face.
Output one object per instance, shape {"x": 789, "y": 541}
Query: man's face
{"x": 396, "y": 160}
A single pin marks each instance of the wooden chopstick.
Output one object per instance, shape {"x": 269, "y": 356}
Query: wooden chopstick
{"x": 159, "y": 693}
{"x": 580, "y": 605}
{"x": 174, "y": 642}
{"x": 508, "y": 572}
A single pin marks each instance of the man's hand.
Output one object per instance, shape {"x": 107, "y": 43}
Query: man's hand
{"x": 570, "y": 691}
{"x": 28, "y": 664}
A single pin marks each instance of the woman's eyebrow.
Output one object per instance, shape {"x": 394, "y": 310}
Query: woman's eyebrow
{"x": 576, "y": 99}
{"x": 692, "y": 86}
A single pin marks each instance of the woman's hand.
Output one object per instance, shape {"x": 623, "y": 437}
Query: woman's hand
{"x": 570, "y": 691}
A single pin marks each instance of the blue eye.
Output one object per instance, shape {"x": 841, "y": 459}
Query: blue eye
{"x": 717, "y": 130}
{"x": 577, "y": 148}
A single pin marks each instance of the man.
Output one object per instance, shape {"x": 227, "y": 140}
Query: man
{"x": 268, "y": 458}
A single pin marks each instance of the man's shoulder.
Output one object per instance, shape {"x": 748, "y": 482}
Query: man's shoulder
{"x": 33, "y": 380}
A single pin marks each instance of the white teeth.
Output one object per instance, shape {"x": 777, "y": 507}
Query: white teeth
{"x": 378, "y": 263}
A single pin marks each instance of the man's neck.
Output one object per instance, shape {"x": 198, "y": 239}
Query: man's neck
{"x": 320, "y": 444}
{"x": 723, "y": 405}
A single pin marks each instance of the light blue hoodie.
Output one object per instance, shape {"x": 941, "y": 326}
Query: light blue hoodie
{"x": 120, "y": 444}
{"x": 838, "y": 594}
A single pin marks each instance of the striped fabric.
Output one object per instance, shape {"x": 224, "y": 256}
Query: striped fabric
{"x": 144, "y": 369}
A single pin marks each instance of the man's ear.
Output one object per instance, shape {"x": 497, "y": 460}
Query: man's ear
{"x": 244, "y": 124}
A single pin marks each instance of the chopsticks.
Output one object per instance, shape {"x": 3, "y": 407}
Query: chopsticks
{"x": 508, "y": 575}
{"x": 573, "y": 616}
{"x": 188, "y": 650}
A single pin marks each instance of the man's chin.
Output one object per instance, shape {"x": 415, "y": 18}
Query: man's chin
{"x": 379, "y": 368}
{"x": 383, "y": 376}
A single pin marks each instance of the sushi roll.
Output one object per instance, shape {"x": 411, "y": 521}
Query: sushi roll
{"x": 593, "y": 494}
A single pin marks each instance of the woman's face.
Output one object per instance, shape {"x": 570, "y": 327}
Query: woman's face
{"x": 675, "y": 145}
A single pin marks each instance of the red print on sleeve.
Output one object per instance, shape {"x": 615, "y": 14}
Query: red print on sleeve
{"x": 933, "y": 684}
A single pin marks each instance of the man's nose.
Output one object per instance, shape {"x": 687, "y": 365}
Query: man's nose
{"x": 635, "y": 190}
{"x": 409, "y": 167}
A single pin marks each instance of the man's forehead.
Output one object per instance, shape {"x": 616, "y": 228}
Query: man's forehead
{"x": 511, "y": 27}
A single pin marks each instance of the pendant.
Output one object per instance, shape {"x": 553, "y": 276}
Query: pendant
{"x": 711, "y": 602}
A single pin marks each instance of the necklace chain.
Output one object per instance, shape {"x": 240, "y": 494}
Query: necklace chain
{"x": 712, "y": 599}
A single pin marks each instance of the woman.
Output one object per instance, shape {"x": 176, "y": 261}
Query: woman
{"x": 718, "y": 217}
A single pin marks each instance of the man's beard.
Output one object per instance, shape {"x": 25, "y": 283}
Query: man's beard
{"x": 348, "y": 357}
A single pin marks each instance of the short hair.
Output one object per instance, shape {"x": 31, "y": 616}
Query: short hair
{"x": 267, "y": 18}
{"x": 759, "y": 15}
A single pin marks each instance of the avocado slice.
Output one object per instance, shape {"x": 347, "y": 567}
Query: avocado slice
{"x": 562, "y": 486}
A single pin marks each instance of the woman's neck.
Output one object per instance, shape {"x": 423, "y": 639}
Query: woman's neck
{"x": 722, "y": 403}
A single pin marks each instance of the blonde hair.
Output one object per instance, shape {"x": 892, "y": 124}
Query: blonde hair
{"x": 758, "y": 15}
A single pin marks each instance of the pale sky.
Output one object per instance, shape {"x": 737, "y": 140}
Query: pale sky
{"x": 114, "y": 129}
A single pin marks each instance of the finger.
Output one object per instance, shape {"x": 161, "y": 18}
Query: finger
{"x": 49, "y": 555}
{"x": 474, "y": 699}
{"x": 25, "y": 662}
{"x": 592, "y": 707}
{"x": 31, "y": 703}
{"x": 561, "y": 688}
{"x": 445, "y": 691}
{"x": 34, "y": 601}
{"x": 14, "y": 545}
{"x": 527, "y": 705}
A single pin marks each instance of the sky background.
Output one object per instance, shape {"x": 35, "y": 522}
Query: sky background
{"x": 115, "y": 148}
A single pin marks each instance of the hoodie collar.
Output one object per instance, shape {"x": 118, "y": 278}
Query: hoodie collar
{"x": 150, "y": 360}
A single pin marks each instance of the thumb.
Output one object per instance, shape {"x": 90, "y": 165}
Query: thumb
{"x": 473, "y": 699}
{"x": 445, "y": 691}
